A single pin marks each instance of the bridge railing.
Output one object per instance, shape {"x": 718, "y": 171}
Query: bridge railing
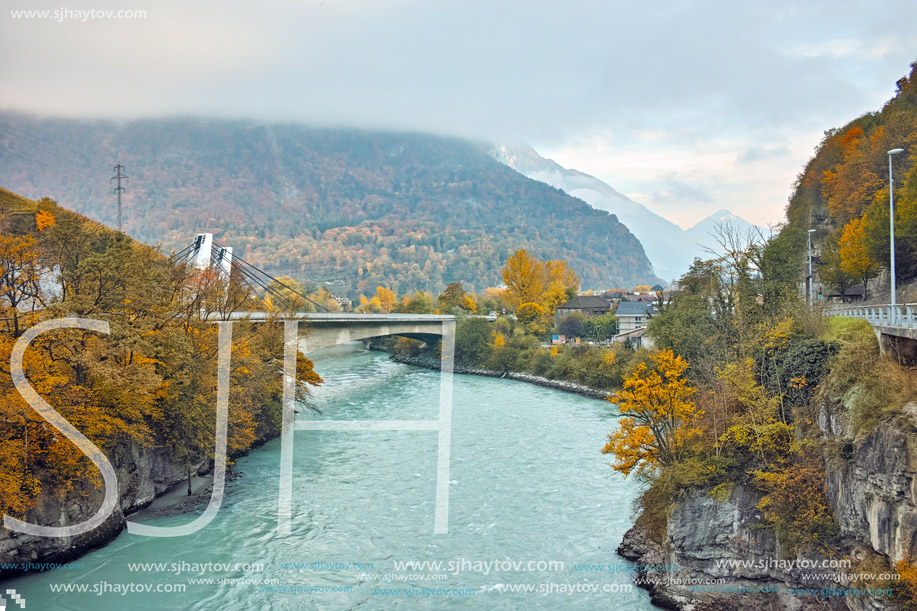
{"x": 903, "y": 315}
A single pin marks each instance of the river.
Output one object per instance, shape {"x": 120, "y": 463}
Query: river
{"x": 529, "y": 490}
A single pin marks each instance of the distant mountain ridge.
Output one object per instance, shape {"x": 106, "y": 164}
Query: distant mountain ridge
{"x": 702, "y": 231}
{"x": 670, "y": 248}
{"x": 352, "y": 208}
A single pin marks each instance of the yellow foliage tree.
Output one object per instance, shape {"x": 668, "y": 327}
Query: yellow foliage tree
{"x": 905, "y": 588}
{"x": 659, "y": 416}
{"x": 557, "y": 271}
{"x": 796, "y": 500}
{"x": 44, "y": 219}
{"x": 384, "y": 301}
{"x": 554, "y": 295}
{"x": 531, "y": 312}
{"x": 387, "y": 298}
{"x": 525, "y": 278}
{"x": 20, "y": 272}
{"x": 545, "y": 283}
{"x": 854, "y": 252}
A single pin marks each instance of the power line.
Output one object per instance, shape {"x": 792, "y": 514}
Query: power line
{"x": 69, "y": 152}
{"x": 37, "y": 162}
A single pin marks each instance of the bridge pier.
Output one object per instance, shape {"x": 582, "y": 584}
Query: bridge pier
{"x": 895, "y": 327}
{"x": 901, "y": 342}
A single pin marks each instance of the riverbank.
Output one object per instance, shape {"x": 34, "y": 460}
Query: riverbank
{"x": 430, "y": 362}
{"x": 176, "y": 500}
{"x": 158, "y": 489}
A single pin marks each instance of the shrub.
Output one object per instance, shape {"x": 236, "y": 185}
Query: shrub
{"x": 868, "y": 384}
{"x": 473, "y": 341}
{"x": 796, "y": 502}
{"x": 573, "y": 325}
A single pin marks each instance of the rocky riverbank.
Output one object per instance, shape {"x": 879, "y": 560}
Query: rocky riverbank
{"x": 872, "y": 486}
{"x": 143, "y": 474}
{"x": 430, "y": 362}
{"x": 149, "y": 485}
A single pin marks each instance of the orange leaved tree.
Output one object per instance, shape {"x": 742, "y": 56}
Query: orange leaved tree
{"x": 854, "y": 252}
{"x": 659, "y": 416}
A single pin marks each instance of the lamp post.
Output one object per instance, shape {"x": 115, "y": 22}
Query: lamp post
{"x": 811, "y": 231}
{"x": 891, "y": 221}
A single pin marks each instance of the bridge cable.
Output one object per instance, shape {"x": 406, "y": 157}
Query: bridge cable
{"x": 250, "y": 270}
{"x": 249, "y": 277}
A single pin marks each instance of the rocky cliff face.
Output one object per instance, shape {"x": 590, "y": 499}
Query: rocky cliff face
{"x": 724, "y": 560}
{"x": 142, "y": 475}
{"x": 872, "y": 485}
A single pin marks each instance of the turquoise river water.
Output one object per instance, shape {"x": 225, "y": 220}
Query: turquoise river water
{"x": 533, "y": 503}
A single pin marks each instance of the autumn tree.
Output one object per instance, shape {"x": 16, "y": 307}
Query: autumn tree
{"x": 831, "y": 270}
{"x": 851, "y": 184}
{"x": 530, "y": 312}
{"x": 323, "y": 297}
{"x": 418, "y": 303}
{"x": 292, "y": 293}
{"x": 546, "y": 283}
{"x": 525, "y": 278}
{"x": 20, "y": 272}
{"x": 659, "y": 416}
{"x": 559, "y": 271}
{"x": 854, "y": 253}
{"x": 796, "y": 503}
{"x": 384, "y": 301}
{"x": 562, "y": 285}
{"x": 44, "y": 219}
{"x": 876, "y": 224}
{"x": 455, "y": 297}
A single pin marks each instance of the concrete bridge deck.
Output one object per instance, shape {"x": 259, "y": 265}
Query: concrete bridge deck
{"x": 327, "y": 329}
{"x": 895, "y": 327}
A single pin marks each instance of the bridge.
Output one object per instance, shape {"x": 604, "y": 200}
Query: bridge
{"x": 322, "y": 330}
{"x": 327, "y": 329}
{"x": 895, "y": 327}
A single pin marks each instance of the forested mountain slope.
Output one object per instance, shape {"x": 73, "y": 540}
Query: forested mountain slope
{"x": 354, "y": 208}
{"x": 843, "y": 194}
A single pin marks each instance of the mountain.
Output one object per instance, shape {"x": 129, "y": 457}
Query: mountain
{"x": 350, "y": 208}
{"x": 670, "y": 248}
{"x": 702, "y": 232}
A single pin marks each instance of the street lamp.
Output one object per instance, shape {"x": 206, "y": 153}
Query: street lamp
{"x": 891, "y": 222}
{"x": 811, "y": 231}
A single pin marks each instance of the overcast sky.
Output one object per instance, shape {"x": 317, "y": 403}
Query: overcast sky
{"x": 686, "y": 107}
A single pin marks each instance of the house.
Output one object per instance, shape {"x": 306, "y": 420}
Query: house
{"x": 633, "y": 315}
{"x": 587, "y": 305}
{"x": 637, "y": 339}
{"x": 852, "y": 294}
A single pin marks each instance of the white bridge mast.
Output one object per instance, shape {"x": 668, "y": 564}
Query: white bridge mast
{"x": 200, "y": 256}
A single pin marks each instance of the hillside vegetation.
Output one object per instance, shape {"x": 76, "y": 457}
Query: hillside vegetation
{"x": 354, "y": 208}
{"x": 149, "y": 384}
{"x": 742, "y": 396}
{"x": 843, "y": 192}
